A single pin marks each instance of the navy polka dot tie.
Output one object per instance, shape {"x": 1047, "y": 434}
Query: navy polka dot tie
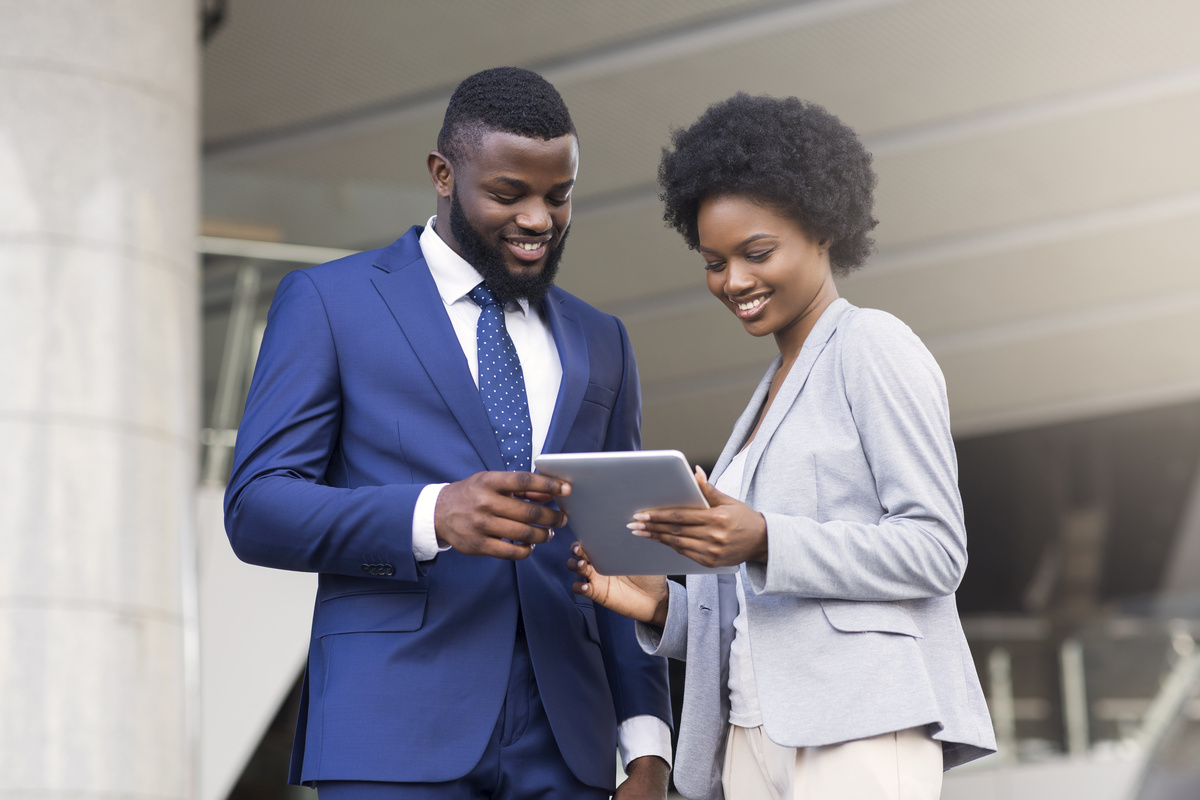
{"x": 501, "y": 382}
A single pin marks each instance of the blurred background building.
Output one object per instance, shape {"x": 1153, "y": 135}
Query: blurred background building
{"x": 1039, "y": 199}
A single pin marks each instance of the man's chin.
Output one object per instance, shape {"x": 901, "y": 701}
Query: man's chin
{"x": 525, "y": 269}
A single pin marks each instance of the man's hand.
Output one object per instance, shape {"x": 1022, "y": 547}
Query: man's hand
{"x": 491, "y": 513}
{"x": 647, "y": 780}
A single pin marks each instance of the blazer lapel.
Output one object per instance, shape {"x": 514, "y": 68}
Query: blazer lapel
{"x": 745, "y": 422}
{"x": 573, "y": 354}
{"x": 792, "y": 384}
{"x": 410, "y": 293}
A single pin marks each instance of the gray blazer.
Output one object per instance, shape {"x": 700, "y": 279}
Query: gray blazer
{"x": 853, "y": 626}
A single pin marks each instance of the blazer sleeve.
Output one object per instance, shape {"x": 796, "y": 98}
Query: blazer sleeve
{"x": 278, "y": 510}
{"x": 638, "y": 681}
{"x": 918, "y": 547}
{"x": 671, "y": 641}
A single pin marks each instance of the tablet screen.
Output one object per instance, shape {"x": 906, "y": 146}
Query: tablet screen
{"x": 607, "y": 489}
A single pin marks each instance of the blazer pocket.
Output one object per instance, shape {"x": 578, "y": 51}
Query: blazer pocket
{"x": 591, "y": 421}
{"x": 589, "y": 622}
{"x": 371, "y": 612}
{"x": 600, "y": 395}
{"x": 857, "y": 616}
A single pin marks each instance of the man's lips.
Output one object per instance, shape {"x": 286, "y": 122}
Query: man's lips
{"x": 528, "y": 250}
{"x": 750, "y": 307}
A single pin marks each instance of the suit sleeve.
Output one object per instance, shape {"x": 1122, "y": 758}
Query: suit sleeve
{"x": 638, "y": 681}
{"x": 278, "y": 510}
{"x": 918, "y": 547}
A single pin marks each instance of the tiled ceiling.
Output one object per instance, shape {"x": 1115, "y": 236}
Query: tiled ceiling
{"x": 1039, "y": 189}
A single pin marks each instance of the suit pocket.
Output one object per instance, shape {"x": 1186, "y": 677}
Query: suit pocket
{"x": 856, "y": 616}
{"x": 371, "y": 611}
{"x": 589, "y": 621}
{"x": 591, "y": 423}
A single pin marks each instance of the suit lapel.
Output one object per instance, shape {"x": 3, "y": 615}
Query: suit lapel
{"x": 573, "y": 354}
{"x": 792, "y": 384}
{"x": 408, "y": 289}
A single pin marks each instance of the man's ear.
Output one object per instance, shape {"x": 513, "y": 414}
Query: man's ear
{"x": 441, "y": 173}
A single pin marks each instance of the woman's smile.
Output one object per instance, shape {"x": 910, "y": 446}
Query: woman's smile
{"x": 770, "y": 272}
{"x": 750, "y": 308}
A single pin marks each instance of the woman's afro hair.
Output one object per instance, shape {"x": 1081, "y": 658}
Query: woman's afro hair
{"x": 792, "y": 156}
{"x": 508, "y": 99}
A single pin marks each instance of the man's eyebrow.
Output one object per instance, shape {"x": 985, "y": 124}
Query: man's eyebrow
{"x": 744, "y": 242}
{"x": 517, "y": 183}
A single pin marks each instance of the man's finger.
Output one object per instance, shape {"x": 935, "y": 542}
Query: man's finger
{"x": 512, "y": 508}
{"x": 524, "y": 482}
{"x": 515, "y": 531}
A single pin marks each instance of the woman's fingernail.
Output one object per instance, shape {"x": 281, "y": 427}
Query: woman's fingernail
{"x": 587, "y": 587}
{"x": 551, "y": 536}
{"x": 641, "y": 516}
{"x": 640, "y": 533}
{"x": 635, "y": 526}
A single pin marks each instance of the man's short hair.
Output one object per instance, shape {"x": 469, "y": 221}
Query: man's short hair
{"x": 508, "y": 99}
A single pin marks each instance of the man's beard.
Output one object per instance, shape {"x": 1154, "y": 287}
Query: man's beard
{"x": 488, "y": 261}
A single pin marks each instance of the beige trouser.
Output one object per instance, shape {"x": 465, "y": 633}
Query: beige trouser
{"x": 906, "y": 765}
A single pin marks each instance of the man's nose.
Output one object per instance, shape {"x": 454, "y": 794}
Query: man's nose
{"x": 534, "y": 216}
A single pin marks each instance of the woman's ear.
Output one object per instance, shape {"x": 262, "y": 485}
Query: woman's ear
{"x": 441, "y": 173}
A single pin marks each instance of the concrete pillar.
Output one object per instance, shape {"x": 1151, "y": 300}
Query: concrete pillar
{"x": 98, "y": 396}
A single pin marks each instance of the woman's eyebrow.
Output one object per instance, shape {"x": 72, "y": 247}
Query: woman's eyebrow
{"x": 748, "y": 240}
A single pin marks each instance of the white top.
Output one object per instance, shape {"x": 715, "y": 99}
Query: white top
{"x": 743, "y": 691}
{"x": 531, "y": 336}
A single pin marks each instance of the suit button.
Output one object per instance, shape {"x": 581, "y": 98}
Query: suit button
{"x": 387, "y": 569}
{"x": 368, "y": 568}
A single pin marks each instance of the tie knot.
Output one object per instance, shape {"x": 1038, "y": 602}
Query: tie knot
{"x": 483, "y": 296}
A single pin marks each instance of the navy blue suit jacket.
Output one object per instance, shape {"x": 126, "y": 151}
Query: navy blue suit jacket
{"x": 361, "y": 397}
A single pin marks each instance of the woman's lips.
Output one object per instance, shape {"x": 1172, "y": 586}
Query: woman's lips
{"x": 751, "y": 308}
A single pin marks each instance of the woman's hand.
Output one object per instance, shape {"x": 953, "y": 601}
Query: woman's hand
{"x": 641, "y": 597}
{"x": 727, "y": 533}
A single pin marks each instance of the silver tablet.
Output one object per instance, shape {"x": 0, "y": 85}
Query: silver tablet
{"x": 607, "y": 489}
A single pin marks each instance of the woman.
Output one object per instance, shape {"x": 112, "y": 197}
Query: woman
{"x": 844, "y": 673}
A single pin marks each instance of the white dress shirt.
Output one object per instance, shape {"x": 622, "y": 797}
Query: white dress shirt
{"x": 531, "y": 336}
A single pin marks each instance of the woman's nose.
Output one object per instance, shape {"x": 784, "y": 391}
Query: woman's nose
{"x": 739, "y": 277}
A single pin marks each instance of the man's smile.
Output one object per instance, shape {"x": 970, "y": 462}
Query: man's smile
{"x": 527, "y": 249}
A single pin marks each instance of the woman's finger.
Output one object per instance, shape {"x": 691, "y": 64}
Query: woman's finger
{"x": 670, "y": 516}
{"x": 699, "y": 551}
{"x": 714, "y": 497}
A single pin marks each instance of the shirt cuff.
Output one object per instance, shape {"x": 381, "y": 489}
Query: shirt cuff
{"x": 424, "y": 537}
{"x": 643, "y": 735}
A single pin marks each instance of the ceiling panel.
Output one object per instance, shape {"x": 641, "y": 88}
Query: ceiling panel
{"x": 880, "y": 72}
{"x": 1101, "y": 368}
{"x": 1128, "y": 264}
{"x": 1083, "y": 163}
{"x": 273, "y": 64}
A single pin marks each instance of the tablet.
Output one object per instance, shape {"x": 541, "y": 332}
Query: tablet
{"x": 607, "y": 489}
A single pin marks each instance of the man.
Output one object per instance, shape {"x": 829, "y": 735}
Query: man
{"x": 398, "y": 399}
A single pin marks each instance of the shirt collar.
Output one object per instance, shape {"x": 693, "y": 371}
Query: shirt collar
{"x": 452, "y": 274}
